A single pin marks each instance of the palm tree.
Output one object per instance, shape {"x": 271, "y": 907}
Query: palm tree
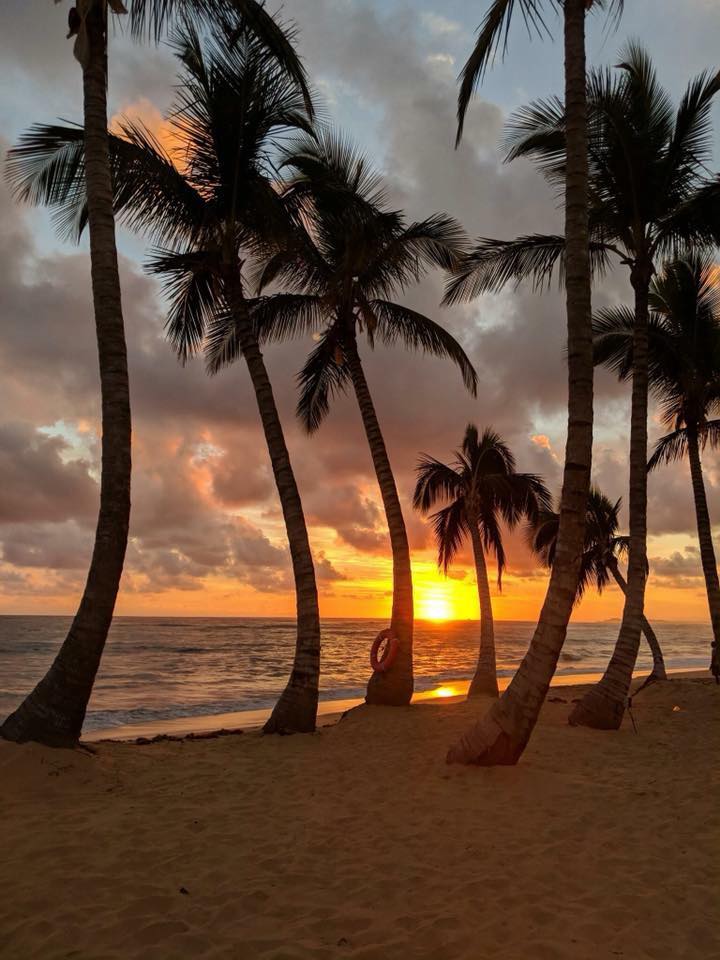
{"x": 54, "y": 711}
{"x": 599, "y": 562}
{"x": 235, "y": 106}
{"x": 481, "y": 490}
{"x": 649, "y": 191}
{"x": 684, "y": 369}
{"x": 346, "y": 257}
{"x": 502, "y": 735}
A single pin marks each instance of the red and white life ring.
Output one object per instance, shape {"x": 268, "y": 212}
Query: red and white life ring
{"x": 380, "y": 662}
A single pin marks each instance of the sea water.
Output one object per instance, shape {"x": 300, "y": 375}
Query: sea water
{"x": 157, "y": 668}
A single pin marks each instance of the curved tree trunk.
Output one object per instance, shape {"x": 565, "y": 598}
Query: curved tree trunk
{"x": 603, "y": 706}
{"x": 296, "y": 710}
{"x": 707, "y": 551}
{"x": 395, "y": 686}
{"x": 484, "y": 683}
{"x": 502, "y": 735}
{"x": 658, "y": 671}
{"x": 54, "y": 712}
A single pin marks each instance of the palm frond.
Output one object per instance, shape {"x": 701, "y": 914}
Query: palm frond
{"x": 297, "y": 265}
{"x": 190, "y": 281}
{"x": 541, "y": 536}
{"x": 669, "y": 449}
{"x": 694, "y": 222}
{"x": 152, "y": 18}
{"x": 691, "y": 144}
{"x": 493, "y": 38}
{"x": 710, "y": 434}
{"x": 450, "y": 527}
{"x": 492, "y": 542}
{"x": 47, "y": 168}
{"x": 537, "y": 131}
{"x": 398, "y": 323}
{"x": 613, "y": 330}
{"x": 330, "y": 166}
{"x": 438, "y": 241}
{"x": 436, "y": 481}
{"x": 494, "y": 263}
{"x": 284, "y": 316}
{"x": 223, "y": 339}
{"x": 324, "y": 375}
{"x": 149, "y": 193}
{"x": 600, "y": 546}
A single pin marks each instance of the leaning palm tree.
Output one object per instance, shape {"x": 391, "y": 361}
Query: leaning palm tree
{"x": 338, "y": 269}
{"x": 482, "y": 491}
{"x": 603, "y": 546}
{"x": 54, "y": 711}
{"x": 501, "y": 736}
{"x": 684, "y": 363}
{"x": 649, "y": 191}
{"x": 206, "y": 206}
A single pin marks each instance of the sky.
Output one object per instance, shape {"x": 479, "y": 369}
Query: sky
{"x": 206, "y": 534}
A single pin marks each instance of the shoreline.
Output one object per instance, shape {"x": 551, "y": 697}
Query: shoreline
{"x": 238, "y": 721}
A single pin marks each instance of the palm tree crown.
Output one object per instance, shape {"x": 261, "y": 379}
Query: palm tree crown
{"x": 599, "y": 563}
{"x": 345, "y": 257}
{"x": 483, "y": 489}
{"x": 684, "y": 351}
{"x": 602, "y": 541}
{"x": 205, "y": 201}
{"x": 685, "y": 354}
{"x": 650, "y": 190}
{"x": 151, "y": 18}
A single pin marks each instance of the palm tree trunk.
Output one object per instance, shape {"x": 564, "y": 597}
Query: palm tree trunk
{"x": 502, "y": 735}
{"x": 296, "y": 710}
{"x": 658, "y": 671}
{"x": 395, "y": 686}
{"x": 484, "y": 683}
{"x": 603, "y": 706}
{"x": 707, "y": 552}
{"x": 54, "y": 712}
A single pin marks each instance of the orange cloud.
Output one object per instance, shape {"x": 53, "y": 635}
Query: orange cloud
{"x": 144, "y": 112}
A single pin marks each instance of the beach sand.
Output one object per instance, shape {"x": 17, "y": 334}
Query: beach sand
{"x": 360, "y": 842}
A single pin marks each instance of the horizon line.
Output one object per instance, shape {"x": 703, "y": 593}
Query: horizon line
{"x": 242, "y": 616}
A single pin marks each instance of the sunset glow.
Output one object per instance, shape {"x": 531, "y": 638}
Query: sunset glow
{"x": 435, "y": 606}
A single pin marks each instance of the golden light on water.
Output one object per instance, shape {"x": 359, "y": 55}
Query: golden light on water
{"x": 445, "y": 692}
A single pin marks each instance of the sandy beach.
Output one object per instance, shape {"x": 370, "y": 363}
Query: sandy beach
{"x": 360, "y": 842}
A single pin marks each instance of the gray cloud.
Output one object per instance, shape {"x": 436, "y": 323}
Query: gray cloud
{"x": 200, "y": 459}
{"x": 37, "y": 485}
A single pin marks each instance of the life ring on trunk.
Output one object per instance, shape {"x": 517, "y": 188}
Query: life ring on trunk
{"x": 381, "y": 662}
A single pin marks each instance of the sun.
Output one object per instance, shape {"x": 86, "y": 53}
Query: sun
{"x": 435, "y": 606}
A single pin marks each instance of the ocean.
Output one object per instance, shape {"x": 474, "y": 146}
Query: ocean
{"x": 159, "y": 668}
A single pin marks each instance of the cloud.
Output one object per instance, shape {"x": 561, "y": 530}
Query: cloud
{"x": 37, "y": 484}
{"x": 438, "y": 25}
{"x": 205, "y": 508}
{"x": 679, "y": 569}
